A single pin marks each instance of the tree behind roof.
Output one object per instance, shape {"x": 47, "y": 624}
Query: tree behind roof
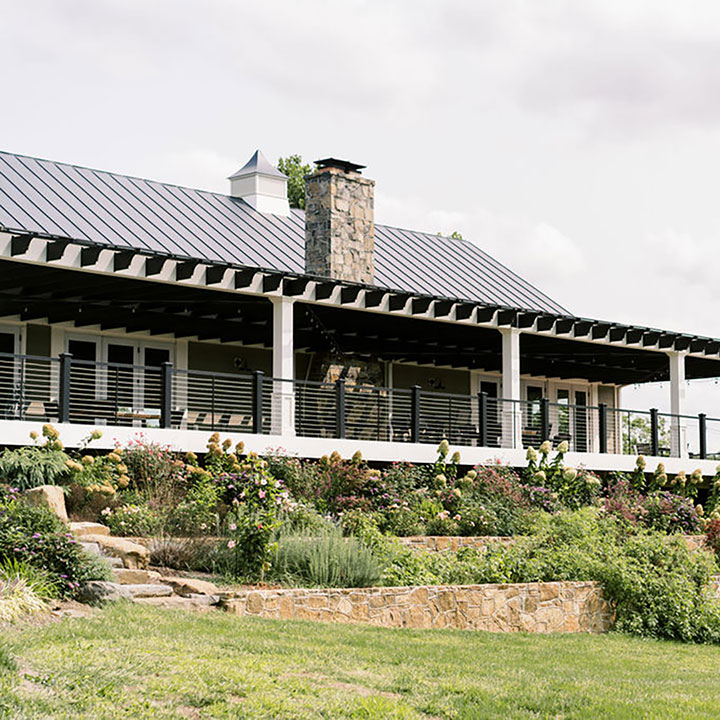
{"x": 293, "y": 167}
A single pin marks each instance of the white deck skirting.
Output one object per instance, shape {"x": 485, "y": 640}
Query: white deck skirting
{"x": 16, "y": 432}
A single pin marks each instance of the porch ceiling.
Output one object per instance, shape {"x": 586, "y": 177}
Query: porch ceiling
{"x": 557, "y": 357}
{"x": 35, "y": 292}
{"x": 353, "y": 332}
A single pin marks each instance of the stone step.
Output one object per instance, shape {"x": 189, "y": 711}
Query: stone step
{"x": 95, "y": 592}
{"x": 189, "y": 586}
{"x": 148, "y": 590}
{"x": 132, "y": 554}
{"x": 80, "y": 529}
{"x": 130, "y": 576}
{"x": 198, "y": 602}
{"x": 90, "y": 547}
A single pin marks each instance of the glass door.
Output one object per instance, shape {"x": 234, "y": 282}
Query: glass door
{"x": 532, "y": 417}
{"x": 580, "y": 421}
{"x": 121, "y": 384}
{"x": 85, "y": 403}
{"x": 10, "y": 386}
{"x": 562, "y": 424}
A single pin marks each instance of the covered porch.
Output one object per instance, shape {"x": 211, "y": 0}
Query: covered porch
{"x": 274, "y": 358}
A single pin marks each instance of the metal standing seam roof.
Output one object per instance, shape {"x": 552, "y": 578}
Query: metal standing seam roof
{"x": 103, "y": 208}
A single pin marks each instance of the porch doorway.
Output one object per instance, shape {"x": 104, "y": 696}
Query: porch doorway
{"x": 116, "y": 380}
{"x": 10, "y": 395}
{"x": 570, "y": 419}
{"x": 494, "y": 429}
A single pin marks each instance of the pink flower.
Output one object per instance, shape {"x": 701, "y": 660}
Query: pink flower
{"x": 231, "y": 544}
{"x": 233, "y": 526}
{"x": 261, "y": 494}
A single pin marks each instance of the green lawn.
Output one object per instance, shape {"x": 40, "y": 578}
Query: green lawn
{"x": 138, "y": 662}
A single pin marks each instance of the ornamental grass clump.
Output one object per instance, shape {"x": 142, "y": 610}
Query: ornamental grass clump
{"x": 24, "y": 590}
{"x": 324, "y": 560}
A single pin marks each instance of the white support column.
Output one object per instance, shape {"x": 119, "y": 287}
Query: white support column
{"x": 512, "y": 411}
{"x": 678, "y": 441}
{"x": 283, "y": 397}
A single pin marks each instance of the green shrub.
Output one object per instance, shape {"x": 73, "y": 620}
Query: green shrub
{"x": 29, "y": 467}
{"x": 302, "y": 517}
{"x": 251, "y": 548}
{"x": 197, "y": 513}
{"x": 296, "y": 475}
{"x": 257, "y": 499}
{"x": 402, "y": 521}
{"x": 132, "y": 520}
{"x": 154, "y": 469}
{"x": 655, "y": 583}
{"x": 37, "y": 538}
{"x": 401, "y": 565}
{"x": 402, "y": 478}
{"x": 325, "y": 560}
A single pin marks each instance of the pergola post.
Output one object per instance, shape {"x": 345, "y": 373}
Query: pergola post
{"x": 283, "y": 392}
{"x": 678, "y": 444}
{"x": 512, "y": 411}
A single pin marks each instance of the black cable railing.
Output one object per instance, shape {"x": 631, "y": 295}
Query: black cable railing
{"x": 73, "y": 390}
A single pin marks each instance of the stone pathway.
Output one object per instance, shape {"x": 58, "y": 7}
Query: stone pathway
{"x": 132, "y": 578}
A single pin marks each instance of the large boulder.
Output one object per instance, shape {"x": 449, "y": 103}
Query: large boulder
{"x": 95, "y": 592}
{"x": 48, "y": 496}
{"x": 132, "y": 554}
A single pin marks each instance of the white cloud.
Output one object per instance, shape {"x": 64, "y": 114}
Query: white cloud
{"x": 577, "y": 142}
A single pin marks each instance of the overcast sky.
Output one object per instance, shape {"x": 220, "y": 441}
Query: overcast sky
{"x": 578, "y": 142}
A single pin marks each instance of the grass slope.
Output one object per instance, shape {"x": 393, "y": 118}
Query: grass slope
{"x": 140, "y": 662}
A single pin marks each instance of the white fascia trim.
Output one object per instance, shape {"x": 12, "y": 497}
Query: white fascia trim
{"x": 71, "y": 260}
{"x": 17, "y": 432}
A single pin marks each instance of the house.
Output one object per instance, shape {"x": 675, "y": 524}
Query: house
{"x": 145, "y": 306}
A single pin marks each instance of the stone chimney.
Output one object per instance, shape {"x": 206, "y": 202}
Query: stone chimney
{"x": 339, "y": 222}
{"x": 261, "y": 185}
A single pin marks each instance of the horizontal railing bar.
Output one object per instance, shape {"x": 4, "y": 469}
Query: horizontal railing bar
{"x": 41, "y": 358}
{"x": 211, "y": 373}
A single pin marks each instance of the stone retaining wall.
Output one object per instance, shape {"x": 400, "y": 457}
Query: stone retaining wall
{"x": 529, "y": 607}
{"x": 438, "y": 543}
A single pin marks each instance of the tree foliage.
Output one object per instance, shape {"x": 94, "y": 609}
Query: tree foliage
{"x": 296, "y": 170}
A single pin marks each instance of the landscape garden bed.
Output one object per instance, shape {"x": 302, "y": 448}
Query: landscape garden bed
{"x": 340, "y": 539}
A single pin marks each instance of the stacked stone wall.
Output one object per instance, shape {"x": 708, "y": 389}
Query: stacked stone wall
{"x": 439, "y": 543}
{"x": 528, "y": 607}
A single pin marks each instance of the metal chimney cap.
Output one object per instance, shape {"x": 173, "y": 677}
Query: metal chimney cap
{"x": 343, "y": 165}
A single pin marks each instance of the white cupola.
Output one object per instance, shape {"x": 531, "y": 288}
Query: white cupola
{"x": 261, "y": 185}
